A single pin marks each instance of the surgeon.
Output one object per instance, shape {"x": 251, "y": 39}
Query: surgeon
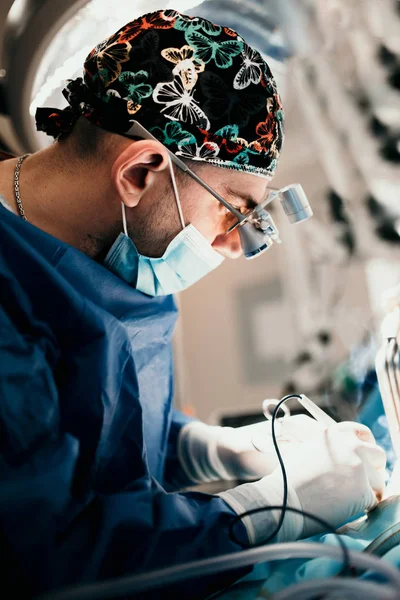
{"x": 97, "y": 232}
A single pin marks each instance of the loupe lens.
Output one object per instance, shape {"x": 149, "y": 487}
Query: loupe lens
{"x": 258, "y": 231}
{"x": 253, "y": 241}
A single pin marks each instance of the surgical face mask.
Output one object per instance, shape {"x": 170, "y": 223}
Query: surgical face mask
{"x": 188, "y": 257}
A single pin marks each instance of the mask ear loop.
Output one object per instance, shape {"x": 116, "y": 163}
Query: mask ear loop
{"x": 178, "y": 203}
{"x": 124, "y": 226}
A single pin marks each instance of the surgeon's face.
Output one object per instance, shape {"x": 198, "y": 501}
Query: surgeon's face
{"x": 154, "y": 222}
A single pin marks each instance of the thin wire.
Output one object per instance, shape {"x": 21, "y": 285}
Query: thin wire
{"x": 285, "y": 484}
{"x": 178, "y": 202}
{"x": 284, "y": 507}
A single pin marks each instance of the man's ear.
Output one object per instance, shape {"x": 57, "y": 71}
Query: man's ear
{"x": 134, "y": 170}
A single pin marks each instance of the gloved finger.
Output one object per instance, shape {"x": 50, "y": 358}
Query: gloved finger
{"x": 371, "y": 499}
{"x": 372, "y": 455}
{"x": 361, "y": 431}
{"x": 377, "y": 482}
{"x": 347, "y": 448}
{"x": 301, "y": 428}
{"x": 374, "y": 460}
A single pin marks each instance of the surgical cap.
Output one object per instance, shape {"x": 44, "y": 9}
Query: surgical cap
{"x": 196, "y": 86}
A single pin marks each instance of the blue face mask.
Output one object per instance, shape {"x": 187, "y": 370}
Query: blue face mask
{"x": 186, "y": 260}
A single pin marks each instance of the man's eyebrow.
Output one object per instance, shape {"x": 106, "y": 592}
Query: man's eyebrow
{"x": 247, "y": 199}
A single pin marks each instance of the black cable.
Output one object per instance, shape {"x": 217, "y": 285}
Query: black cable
{"x": 284, "y": 507}
{"x": 285, "y": 485}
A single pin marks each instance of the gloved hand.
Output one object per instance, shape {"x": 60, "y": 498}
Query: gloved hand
{"x": 210, "y": 453}
{"x": 335, "y": 476}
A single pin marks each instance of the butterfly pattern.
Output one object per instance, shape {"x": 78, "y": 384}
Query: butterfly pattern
{"x": 251, "y": 69}
{"x": 206, "y": 151}
{"x": 226, "y": 138}
{"x": 197, "y": 86}
{"x": 110, "y": 56}
{"x": 135, "y": 85}
{"x": 186, "y": 23}
{"x": 147, "y": 53}
{"x": 186, "y": 65}
{"x": 225, "y": 103}
{"x": 230, "y": 32}
{"x": 207, "y": 49}
{"x": 269, "y": 141}
{"x": 173, "y": 134}
{"x": 180, "y": 104}
{"x": 150, "y": 21}
{"x": 265, "y": 132}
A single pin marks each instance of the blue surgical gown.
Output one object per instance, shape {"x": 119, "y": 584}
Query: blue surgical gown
{"x": 88, "y": 434}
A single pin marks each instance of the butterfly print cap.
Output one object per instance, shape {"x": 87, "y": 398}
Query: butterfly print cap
{"x": 196, "y": 86}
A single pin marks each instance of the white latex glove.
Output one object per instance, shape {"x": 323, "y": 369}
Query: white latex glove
{"x": 335, "y": 476}
{"x": 210, "y": 453}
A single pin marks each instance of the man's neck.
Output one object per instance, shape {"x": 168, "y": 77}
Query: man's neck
{"x": 63, "y": 201}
